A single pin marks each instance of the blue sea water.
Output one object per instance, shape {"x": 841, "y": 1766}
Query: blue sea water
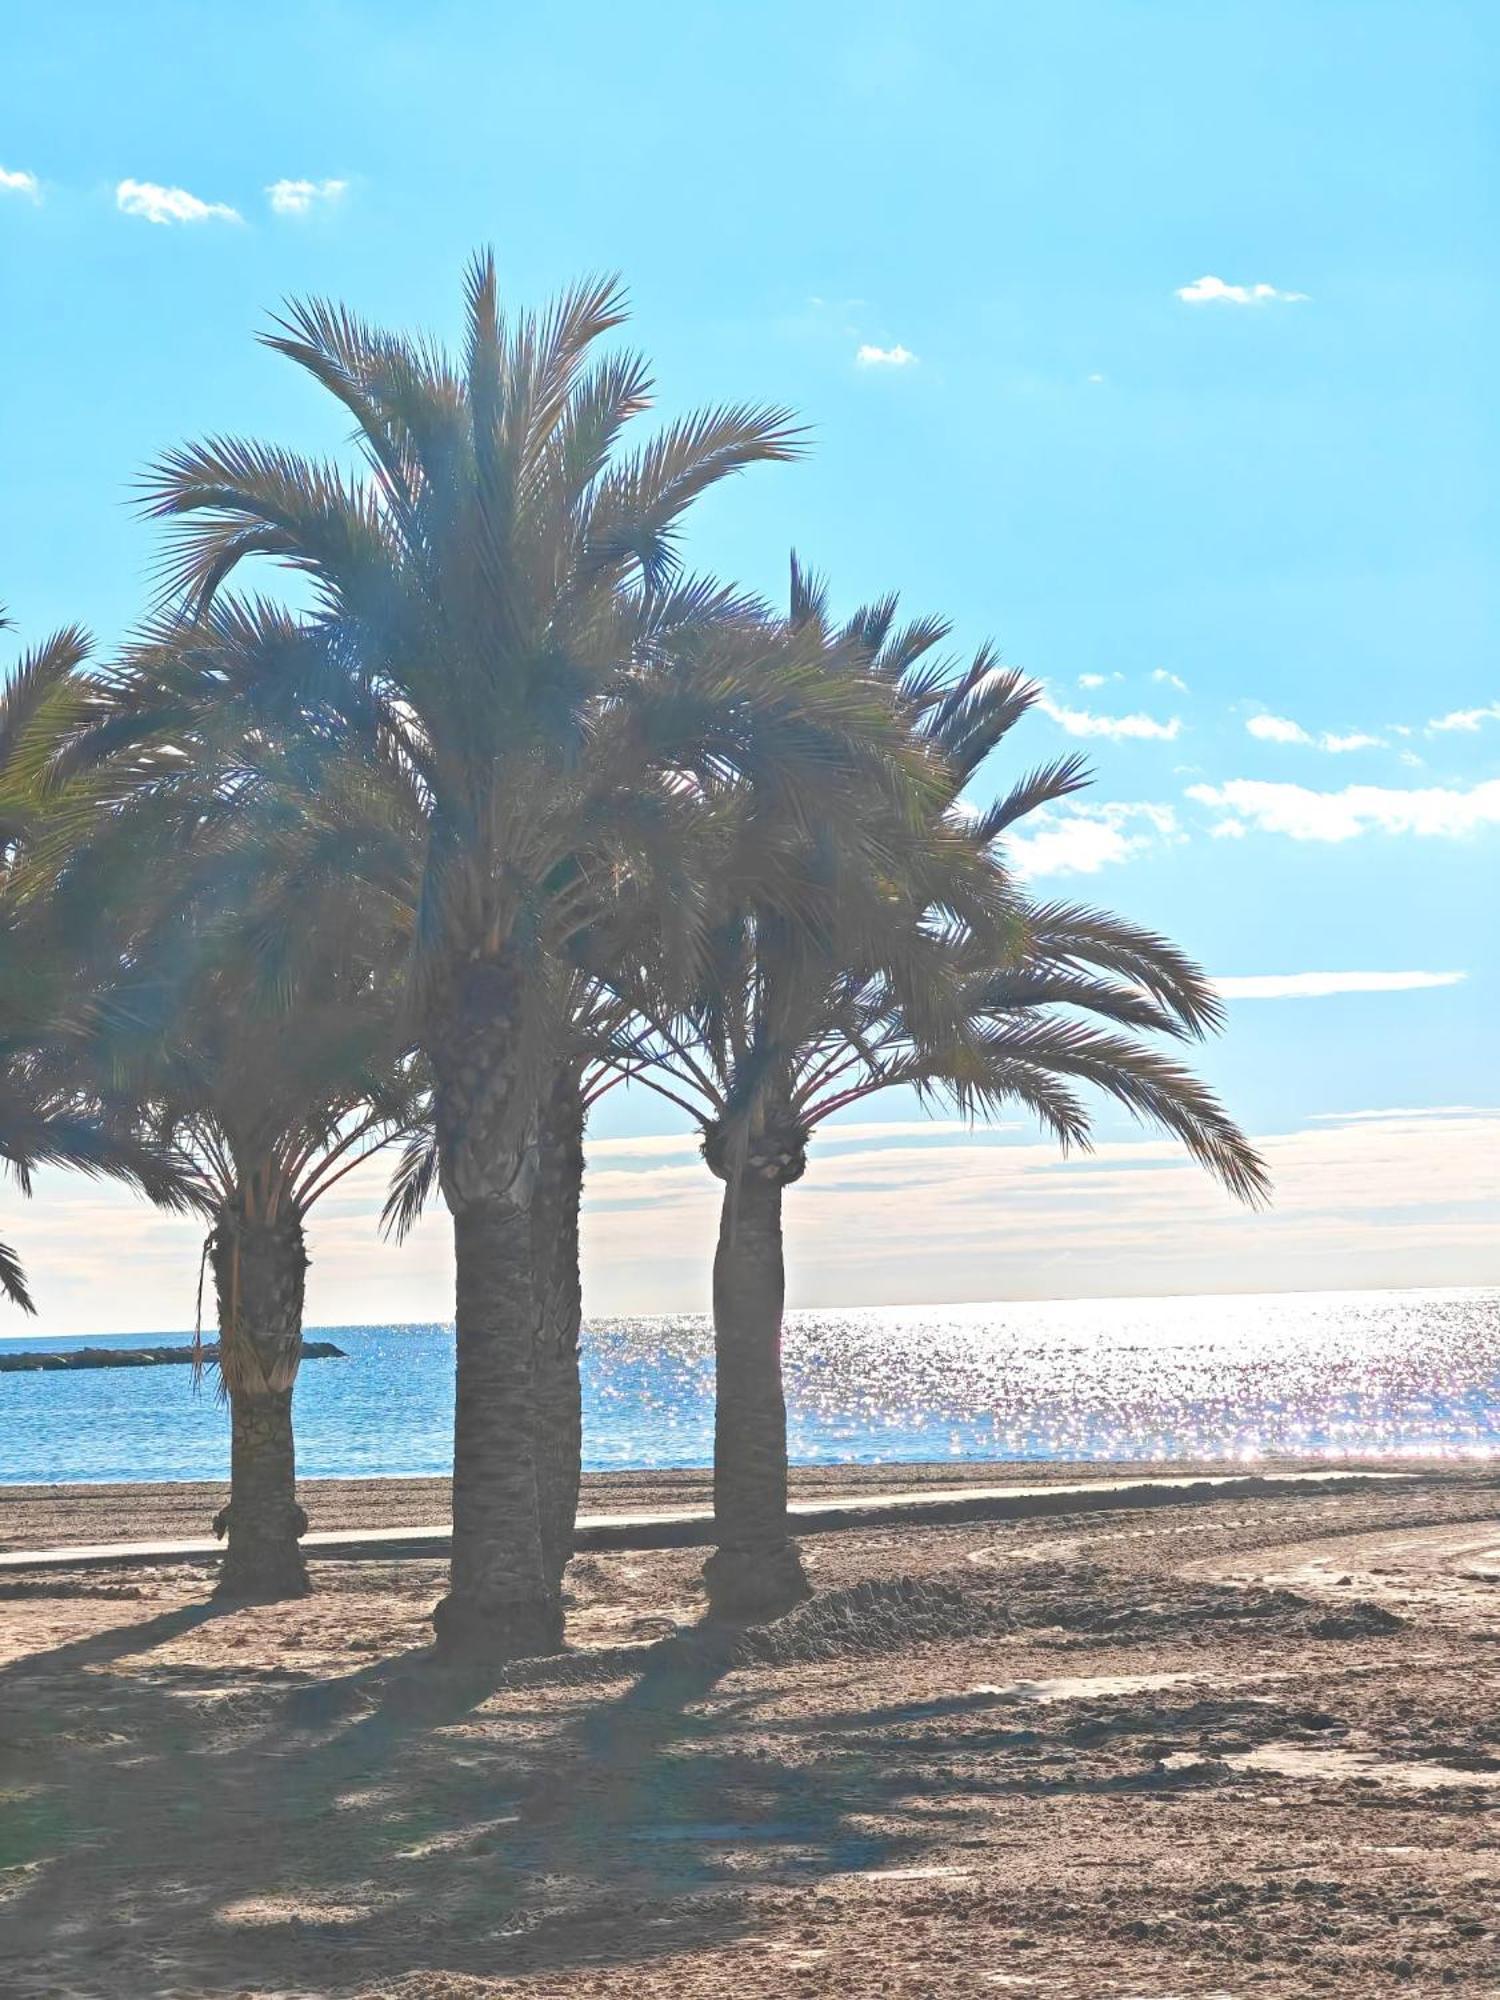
{"x": 1241, "y": 1377}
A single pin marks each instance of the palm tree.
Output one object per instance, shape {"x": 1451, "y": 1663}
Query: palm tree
{"x": 492, "y": 592}
{"x": 240, "y": 1016}
{"x": 874, "y": 985}
{"x": 43, "y": 1003}
{"x": 273, "y": 1082}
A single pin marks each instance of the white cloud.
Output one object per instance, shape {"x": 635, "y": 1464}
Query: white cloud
{"x": 1281, "y": 729}
{"x": 13, "y": 180}
{"x": 154, "y": 203}
{"x": 1080, "y": 840}
{"x": 300, "y": 197}
{"x": 1096, "y": 379}
{"x": 1098, "y": 680}
{"x": 1467, "y": 719}
{"x": 1165, "y": 679}
{"x": 1277, "y": 729}
{"x": 1213, "y": 291}
{"x": 1321, "y": 985}
{"x": 884, "y": 357}
{"x": 1434, "y": 812}
{"x": 1078, "y": 722}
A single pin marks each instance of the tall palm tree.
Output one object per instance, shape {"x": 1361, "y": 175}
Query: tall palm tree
{"x": 492, "y": 591}
{"x": 44, "y": 1121}
{"x": 871, "y": 986}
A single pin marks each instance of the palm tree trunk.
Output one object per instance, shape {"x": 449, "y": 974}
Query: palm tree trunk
{"x": 755, "y": 1571}
{"x": 500, "y": 1603}
{"x": 559, "y": 1396}
{"x": 259, "y": 1268}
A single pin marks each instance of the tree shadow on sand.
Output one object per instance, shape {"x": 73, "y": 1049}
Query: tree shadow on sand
{"x": 100, "y": 1649}
{"x": 603, "y": 1808}
{"x": 182, "y": 1824}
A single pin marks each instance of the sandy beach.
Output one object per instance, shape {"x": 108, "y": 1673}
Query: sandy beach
{"x": 1242, "y": 1748}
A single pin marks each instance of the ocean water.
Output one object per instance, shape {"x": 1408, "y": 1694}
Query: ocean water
{"x": 1238, "y": 1378}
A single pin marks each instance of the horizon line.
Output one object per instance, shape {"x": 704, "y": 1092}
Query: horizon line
{"x": 917, "y": 1306}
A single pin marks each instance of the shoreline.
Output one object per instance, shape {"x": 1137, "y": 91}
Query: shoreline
{"x": 67, "y": 1512}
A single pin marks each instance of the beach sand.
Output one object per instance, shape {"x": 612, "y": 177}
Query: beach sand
{"x": 35, "y": 1517}
{"x": 1248, "y": 1747}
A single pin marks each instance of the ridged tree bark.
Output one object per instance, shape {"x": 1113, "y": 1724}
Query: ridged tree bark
{"x": 755, "y": 1571}
{"x": 559, "y": 1395}
{"x": 500, "y": 1603}
{"x": 259, "y": 1269}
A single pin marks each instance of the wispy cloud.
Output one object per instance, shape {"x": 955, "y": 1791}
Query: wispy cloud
{"x": 1302, "y": 813}
{"x": 1366, "y": 1198}
{"x": 1080, "y": 840}
{"x": 1165, "y": 679}
{"x": 868, "y": 356}
{"x": 1119, "y": 728}
{"x": 153, "y": 203}
{"x": 1281, "y": 729}
{"x": 689, "y": 1145}
{"x": 1210, "y": 291}
{"x": 1403, "y": 1115}
{"x": 1323, "y": 985}
{"x": 301, "y": 197}
{"x": 13, "y": 180}
{"x": 1467, "y": 719}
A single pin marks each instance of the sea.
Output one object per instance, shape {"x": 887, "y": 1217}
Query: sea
{"x": 1238, "y": 1378}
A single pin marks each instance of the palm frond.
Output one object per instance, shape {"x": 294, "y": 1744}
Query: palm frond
{"x": 1071, "y": 935}
{"x": 1041, "y": 787}
{"x": 807, "y": 595}
{"x": 232, "y": 498}
{"x": 642, "y": 499}
{"x": 412, "y": 1181}
{"x": 13, "y": 1280}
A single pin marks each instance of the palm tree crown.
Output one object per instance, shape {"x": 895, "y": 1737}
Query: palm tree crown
{"x": 915, "y": 976}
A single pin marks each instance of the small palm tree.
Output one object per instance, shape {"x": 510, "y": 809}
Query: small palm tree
{"x": 872, "y": 984}
{"x": 241, "y": 1017}
{"x": 492, "y": 593}
{"x": 44, "y": 1121}
{"x": 272, "y": 1086}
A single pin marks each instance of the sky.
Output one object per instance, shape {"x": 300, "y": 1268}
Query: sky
{"x": 1154, "y": 342}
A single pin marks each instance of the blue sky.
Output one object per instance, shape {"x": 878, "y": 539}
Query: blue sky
{"x": 1234, "y": 526}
